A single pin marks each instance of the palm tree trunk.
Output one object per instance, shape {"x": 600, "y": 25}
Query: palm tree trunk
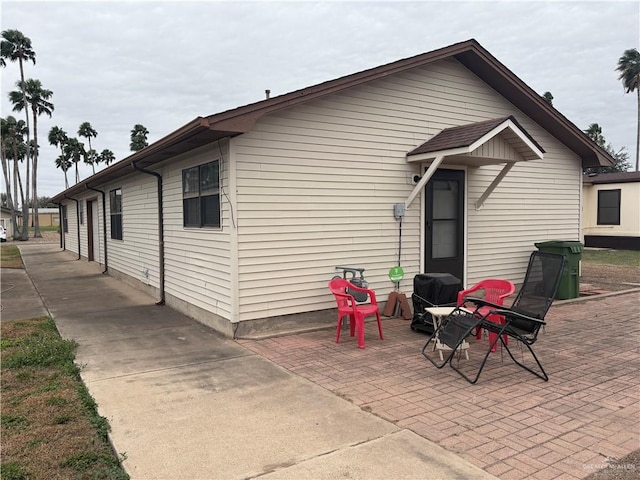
{"x": 7, "y": 183}
{"x": 16, "y": 175}
{"x": 25, "y": 205}
{"x": 36, "y": 220}
{"x": 17, "y": 179}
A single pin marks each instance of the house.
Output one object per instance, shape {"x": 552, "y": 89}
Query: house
{"x": 47, "y": 217}
{"x": 239, "y": 219}
{"x": 5, "y": 220}
{"x": 611, "y": 210}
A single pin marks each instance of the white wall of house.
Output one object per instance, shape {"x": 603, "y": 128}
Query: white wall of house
{"x": 317, "y": 183}
{"x": 629, "y": 216}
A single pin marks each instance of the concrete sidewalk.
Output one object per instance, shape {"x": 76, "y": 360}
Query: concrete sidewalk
{"x": 185, "y": 403}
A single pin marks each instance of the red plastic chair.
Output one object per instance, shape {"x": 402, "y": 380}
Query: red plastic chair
{"x": 348, "y": 306}
{"x": 495, "y": 291}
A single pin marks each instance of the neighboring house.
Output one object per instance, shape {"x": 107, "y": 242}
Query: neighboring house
{"x": 239, "y": 218}
{"x": 48, "y": 217}
{"x": 5, "y": 220}
{"x": 611, "y": 210}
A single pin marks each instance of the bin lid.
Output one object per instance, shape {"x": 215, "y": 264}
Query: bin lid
{"x": 570, "y": 245}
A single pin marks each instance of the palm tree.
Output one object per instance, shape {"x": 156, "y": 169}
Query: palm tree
{"x": 74, "y": 152}
{"x": 88, "y": 132}
{"x": 15, "y": 47}
{"x": 15, "y": 149}
{"x": 107, "y": 156}
{"x": 5, "y": 147}
{"x": 594, "y": 132}
{"x": 64, "y": 164}
{"x": 38, "y": 99}
{"x": 629, "y": 68}
{"x": 58, "y": 138}
{"x": 138, "y": 138}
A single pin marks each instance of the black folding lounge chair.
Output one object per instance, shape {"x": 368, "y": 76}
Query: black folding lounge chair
{"x": 522, "y": 321}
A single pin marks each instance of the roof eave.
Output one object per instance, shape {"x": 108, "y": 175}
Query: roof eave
{"x": 188, "y": 137}
{"x": 480, "y": 62}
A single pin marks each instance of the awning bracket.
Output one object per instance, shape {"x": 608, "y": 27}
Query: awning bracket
{"x": 494, "y": 184}
{"x": 423, "y": 181}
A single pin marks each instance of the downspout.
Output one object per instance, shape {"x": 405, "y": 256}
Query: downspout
{"x": 160, "y": 229}
{"x": 104, "y": 225}
{"x": 77, "y": 221}
{"x": 61, "y": 225}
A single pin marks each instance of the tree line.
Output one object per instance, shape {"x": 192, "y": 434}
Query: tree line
{"x": 18, "y": 151}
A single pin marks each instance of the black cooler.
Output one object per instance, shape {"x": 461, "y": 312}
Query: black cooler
{"x": 431, "y": 289}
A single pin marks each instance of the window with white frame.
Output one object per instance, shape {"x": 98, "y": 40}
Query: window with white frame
{"x": 201, "y": 195}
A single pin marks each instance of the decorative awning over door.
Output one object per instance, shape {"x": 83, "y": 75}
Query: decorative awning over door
{"x": 491, "y": 142}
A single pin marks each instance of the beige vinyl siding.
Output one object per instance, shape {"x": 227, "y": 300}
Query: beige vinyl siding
{"x": 136, "y": 255}
{"x": 197, "y": 260}
{"x": 71, "y": 237}
{"x": 317, "y": 183}
{"x": 98, "y": 248}
{"x": 629, "y": 216}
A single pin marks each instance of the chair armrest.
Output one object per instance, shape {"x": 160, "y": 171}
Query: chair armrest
{"x": 371, "y": 293}
{"x": 349, "y": 298}
{"x": 462, "y": 294}
{"x": 507, "y": 314}
{"x": 481, "y": 302}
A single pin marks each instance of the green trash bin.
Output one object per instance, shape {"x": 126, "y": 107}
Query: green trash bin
{"x": 572, "y": 251}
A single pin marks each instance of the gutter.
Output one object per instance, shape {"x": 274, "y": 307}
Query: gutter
{"x": 77, "y": 221}
{"x": 160, "y": 230}
{"x": 62, "y": 246}
{"x": 104, "y": 225}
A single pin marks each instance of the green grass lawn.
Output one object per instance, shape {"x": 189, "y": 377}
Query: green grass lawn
{"x": 629, "y": 258}
{"x": 49, "y": 422}
{"x": 51, "y": 228}
{"x": 50, "y": 425}
{"x": 10, "y": 257}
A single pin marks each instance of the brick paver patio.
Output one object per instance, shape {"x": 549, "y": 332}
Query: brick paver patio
{"x": 511, "y": 424}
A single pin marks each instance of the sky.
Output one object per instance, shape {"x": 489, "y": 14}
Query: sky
{"x": 162, "y": 64}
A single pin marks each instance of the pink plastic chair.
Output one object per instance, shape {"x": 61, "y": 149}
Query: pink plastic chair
{"x": 348, "y": 306}
{"x": 493, "y": 290}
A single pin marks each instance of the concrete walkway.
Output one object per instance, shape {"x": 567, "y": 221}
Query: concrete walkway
{"x": 184, "y": 403}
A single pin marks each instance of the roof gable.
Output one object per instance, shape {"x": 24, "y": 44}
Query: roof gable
{"x": 204, "y": 130}
{"x": 470, "y": 140}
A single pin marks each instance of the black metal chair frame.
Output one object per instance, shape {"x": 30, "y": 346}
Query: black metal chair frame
{"x": 522, "y": 321}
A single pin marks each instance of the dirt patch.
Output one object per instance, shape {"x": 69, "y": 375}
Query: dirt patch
{"x": 609, "y": 277}
{"x": 47, "y": 237}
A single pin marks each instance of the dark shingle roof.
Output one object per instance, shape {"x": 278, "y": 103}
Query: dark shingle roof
{"x": 616, "y": 177}
{"x": 464, "y": 136}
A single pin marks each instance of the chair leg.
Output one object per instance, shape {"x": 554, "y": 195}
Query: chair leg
{"x": 352, "y": 325}
{"x": 492, "y": 348}
{"x": 360, "y": 330}
{"x": 434, "y": 337}
{"x": 379, "y": 325}
{"x": 338, "y": 329}
{"x": 542, "y": 374}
